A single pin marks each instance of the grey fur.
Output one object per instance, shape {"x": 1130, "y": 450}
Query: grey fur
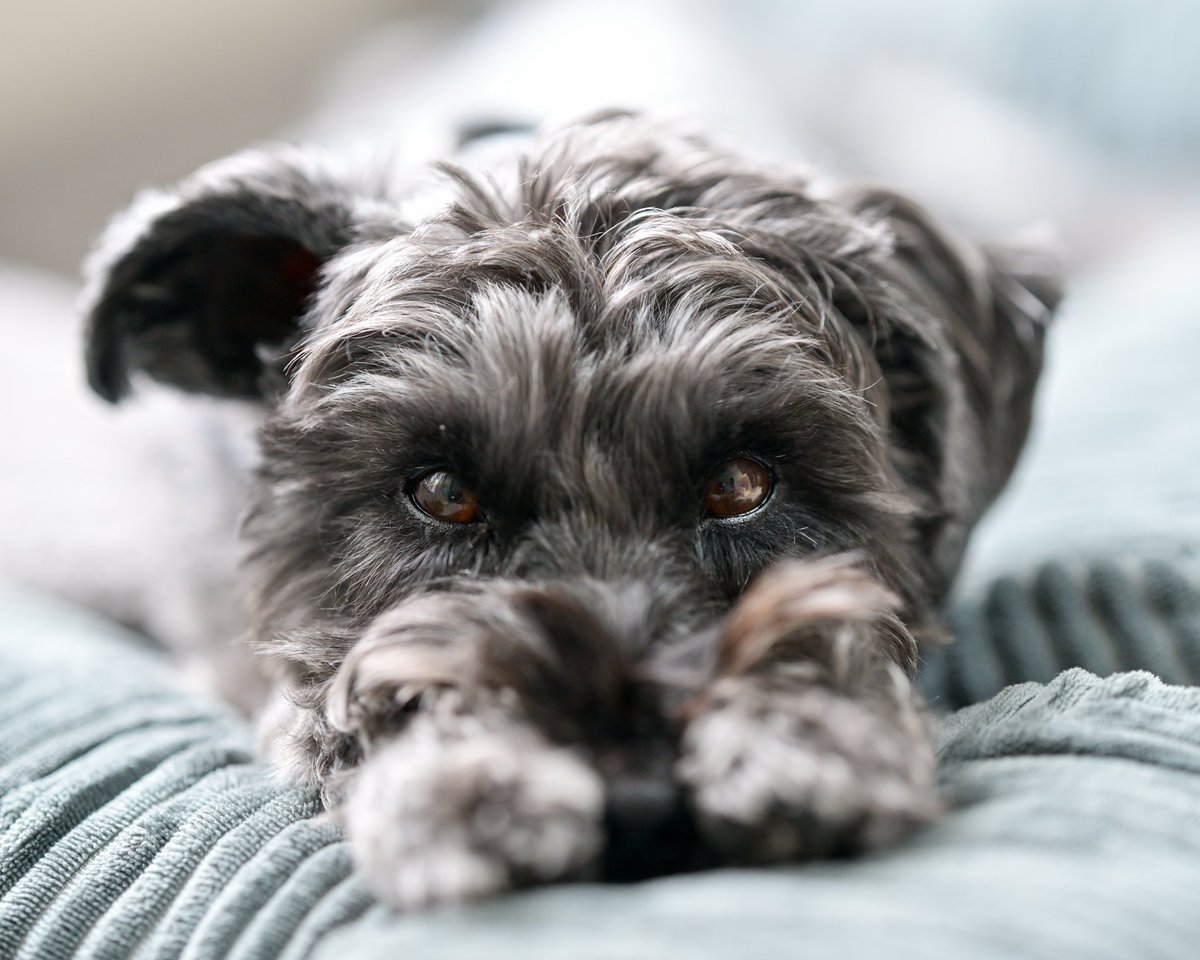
{"x": 583, "y": 332}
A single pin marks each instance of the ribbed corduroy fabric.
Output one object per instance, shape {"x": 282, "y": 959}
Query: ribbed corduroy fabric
{"x": 1104, "y": 614}
{"x": 133, "y": 820}
{"x": 134, "y": 824}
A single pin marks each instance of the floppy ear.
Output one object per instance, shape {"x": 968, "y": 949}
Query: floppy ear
{"x": 199, "y": 285}
{"x": 961, "y": 356}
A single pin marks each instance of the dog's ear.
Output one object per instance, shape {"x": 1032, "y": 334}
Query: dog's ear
{"x": 201, "y": 286}
{"x": 961, "y": 352}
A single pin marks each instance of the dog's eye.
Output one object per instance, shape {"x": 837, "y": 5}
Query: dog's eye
{"x": 739, "y": 486}
{"x": 446, "y": 497}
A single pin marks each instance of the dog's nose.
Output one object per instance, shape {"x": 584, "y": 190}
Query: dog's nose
{"x": 649, "y": 828}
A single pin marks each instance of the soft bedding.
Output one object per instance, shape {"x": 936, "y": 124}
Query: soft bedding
{"x": 134, "y": 823}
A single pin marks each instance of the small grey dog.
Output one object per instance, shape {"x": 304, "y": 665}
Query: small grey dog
{"x": 607, "y": 488}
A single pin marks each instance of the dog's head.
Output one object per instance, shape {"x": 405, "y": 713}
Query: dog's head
{"x": 580, "y": 405}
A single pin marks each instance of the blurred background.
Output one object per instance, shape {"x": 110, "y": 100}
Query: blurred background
{"x": 999, "y": 109}
{"x": 1074, "y": 119}
{"x": 98, "y": 99}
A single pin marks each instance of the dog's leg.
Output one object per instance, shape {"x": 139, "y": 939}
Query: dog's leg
{"x": 447, "y": 790}
{"x": 467, "y": 802}
{"x": 811, "y": 740}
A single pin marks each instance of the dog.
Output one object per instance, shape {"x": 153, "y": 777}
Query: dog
{"x": 609, "y": 487}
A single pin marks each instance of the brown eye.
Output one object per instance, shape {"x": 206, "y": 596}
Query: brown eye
{"x": 446, "y": 497}
{"x": 739, "y": 486}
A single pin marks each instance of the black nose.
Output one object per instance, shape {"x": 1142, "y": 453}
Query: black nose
{"x": 650, "y": 830}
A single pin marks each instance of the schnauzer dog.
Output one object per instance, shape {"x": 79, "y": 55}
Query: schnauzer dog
{"x": 608, "y": 487}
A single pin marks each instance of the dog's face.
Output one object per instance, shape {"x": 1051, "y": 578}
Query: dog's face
{"x": 541, "y": 439}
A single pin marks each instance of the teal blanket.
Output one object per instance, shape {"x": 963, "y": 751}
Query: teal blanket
{"x": 134, "y": 823}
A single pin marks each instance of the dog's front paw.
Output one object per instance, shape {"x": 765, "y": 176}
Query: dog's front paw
{"x": 779, "y": 773}
{"x": 434, "y": 821}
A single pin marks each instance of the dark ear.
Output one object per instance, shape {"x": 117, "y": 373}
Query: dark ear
{"x": 961, "y": 356}
{"x": 196, "y": 286}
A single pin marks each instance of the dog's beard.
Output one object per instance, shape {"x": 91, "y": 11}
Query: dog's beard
{"x": 506, "y": 733}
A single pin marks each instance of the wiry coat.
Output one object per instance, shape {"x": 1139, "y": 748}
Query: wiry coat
{"x": 598, "y": 673}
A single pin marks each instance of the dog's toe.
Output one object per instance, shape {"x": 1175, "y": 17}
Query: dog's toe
{"x": 433, "y": 822}
{"x": 806, "y": 776}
